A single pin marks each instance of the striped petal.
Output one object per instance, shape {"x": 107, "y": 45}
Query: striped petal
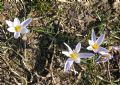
{"x": 24, "y": 30}
{"x": 93, "y": 36}
{"x": 26, "y": 22}
{"x": 68, "y": 64}
{"x": 16, "y": 35}
{"x": 85, "y": 55}
{"x": 101, "y": 49}
{"x": 78, "y": 47}
{"x": 100, "y": 39}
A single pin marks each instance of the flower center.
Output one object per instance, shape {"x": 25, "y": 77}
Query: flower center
{"x": 17, "y": 28}
{"x": 95, "y": 46}
{"x": 74, "y": 55}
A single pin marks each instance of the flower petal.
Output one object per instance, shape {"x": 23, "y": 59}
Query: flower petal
{"x": 89, "y": 48}
{"x": 95, "y": 51}
{"x": 16, "y": 21}
{"x": 104, "y": 53}
{"x": 85, "y": 55}
{"x": 68, "y": 64}
{"x": 24, "y": 30}
{"x": 104, "y": 58}
{"x": 11, "y": 29}
{"x": 26, "y": 22}
{"x": 78, "y": 47}
{"x": 16, "y": 35}
{"x": 90, "y": 42}
{"x": 66, "y": 53}
{"x": 77, "y": 60}
{"x": 100, "y": 39}
{"x": 100, "y": 60}
{"x": 93, "y": 36}
{"x": 102, "y": 49}
{"x": 9, "y": 23}
{"x": 70, "y": 50}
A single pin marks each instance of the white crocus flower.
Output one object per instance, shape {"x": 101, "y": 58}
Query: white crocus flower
{"x": 18, "y": 27}
{"x": 95, "y": 44}
{"x": 74, "y": 55}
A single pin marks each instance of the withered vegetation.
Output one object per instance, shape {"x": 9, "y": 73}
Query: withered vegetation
{"x": 38, "y": 60}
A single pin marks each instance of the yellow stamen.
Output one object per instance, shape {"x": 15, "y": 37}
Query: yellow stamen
{"x": 95, "y": 46}
{"x": 17, "y": 28}
{"x": 74, "y": 55}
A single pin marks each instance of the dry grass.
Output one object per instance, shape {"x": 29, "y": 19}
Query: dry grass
{"x": 38, "y": 60}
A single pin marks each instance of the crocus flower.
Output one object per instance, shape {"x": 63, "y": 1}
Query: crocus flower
{"x": 104, "y": 57}
{"x": 74, "y": 55}
{"x": 95, "y": 44}
{"x": 18, "y": 27}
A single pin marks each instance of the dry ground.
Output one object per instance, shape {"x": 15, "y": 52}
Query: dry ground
{"x": 38, "y": 60}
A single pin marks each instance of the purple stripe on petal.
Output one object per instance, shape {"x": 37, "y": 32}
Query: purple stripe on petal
{"x": 16, "y": 35}
{"x": 78, "y": 47}
{"x": 102, "y": 49}
{"x": 24, "y": 30}
{"x": 93, "y": 36}
{"x": 85, "y": 55}
{"x": 68, "y": 64}
{"x": 26, "y": 22}
{"x": 100, "y": 39}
